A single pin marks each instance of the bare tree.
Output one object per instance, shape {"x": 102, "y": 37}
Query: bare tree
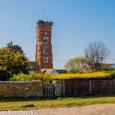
{"x": 97, "y": 52}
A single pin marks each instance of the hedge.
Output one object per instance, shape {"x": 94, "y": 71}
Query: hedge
{"x": 46, "y": 78}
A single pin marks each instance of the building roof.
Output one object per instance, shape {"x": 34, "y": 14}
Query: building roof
{"x": 47, "y": 71}
{"x": 90, "y": 65}
{"x": 113, "y": 66}
{"x": 61, "y": 71}
{"x": 84, "y": 66}
{"x": 35, "y": 66}
{"x": 103, "y": 65}
{"x": 107, "y": 64}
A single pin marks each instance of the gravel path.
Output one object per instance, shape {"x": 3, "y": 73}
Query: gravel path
{"x": 99, "y": 109}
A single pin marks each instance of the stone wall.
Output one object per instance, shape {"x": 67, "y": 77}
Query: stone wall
{"x": 21, "y": 88}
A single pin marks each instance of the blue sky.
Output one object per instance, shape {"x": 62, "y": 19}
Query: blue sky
{"x": 76, "y": 23}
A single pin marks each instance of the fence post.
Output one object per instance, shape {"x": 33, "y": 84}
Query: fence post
{"x": 90, "y": 90}
{"x": 114, "y": 84}
{"x": 63, "y": 88}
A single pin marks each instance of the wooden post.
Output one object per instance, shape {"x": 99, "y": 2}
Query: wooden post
{"x": 63, "y": 88}
{"x": 90, "y": 90}
{"x": 54, "y": 89}
{"x": 114, "y": 84}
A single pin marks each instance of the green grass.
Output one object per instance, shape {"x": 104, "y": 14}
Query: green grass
{"x": 18, "y": 104}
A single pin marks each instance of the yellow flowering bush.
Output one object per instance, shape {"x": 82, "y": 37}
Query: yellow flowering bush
{"x": 97, "y": 75}
{"x": 46, "y": 78}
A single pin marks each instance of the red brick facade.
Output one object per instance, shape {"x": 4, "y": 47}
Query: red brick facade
{"x": 43, "y": 44}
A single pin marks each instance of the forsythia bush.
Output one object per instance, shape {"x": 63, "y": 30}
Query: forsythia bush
{"x": 46, "y": 78}
{"x": 97, "y": 75}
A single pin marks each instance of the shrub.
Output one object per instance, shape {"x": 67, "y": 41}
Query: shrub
{"x": 46, "y": 78}
{"x": 19, "y": 77}
{"x": 86, "y": 76}
{"x": 90, "y": 71}
{"x": 110, "y": 72}
{"x": 107, "y": 68}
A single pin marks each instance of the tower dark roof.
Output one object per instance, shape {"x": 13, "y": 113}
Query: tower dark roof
{"x": 40, "y": 22}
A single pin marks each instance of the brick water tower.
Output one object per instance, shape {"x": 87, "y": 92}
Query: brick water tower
{"x": 43, "y": 44}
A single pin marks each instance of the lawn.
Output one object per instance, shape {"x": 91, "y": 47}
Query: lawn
{"x": 19, "y": 104}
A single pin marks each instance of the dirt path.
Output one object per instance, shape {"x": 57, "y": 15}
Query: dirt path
{"x": 100, "y": 109}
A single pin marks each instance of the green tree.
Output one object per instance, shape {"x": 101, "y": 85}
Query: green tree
{"x": 15, "y": 48}
{"x": 12, "y": 63}
{"x": 75, "y": 65}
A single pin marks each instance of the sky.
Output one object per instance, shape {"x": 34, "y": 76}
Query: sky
{"x": 76, "y": 23}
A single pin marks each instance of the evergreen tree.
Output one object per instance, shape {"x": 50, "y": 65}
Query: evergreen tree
{"x": 12, "y": 62}
{"x": 15, "y": 48}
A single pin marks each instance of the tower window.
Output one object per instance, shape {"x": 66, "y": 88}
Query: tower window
{"x": 45, "y": 50}
{"x": 45, "y": 40}
{"x": 45, "y": 59}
